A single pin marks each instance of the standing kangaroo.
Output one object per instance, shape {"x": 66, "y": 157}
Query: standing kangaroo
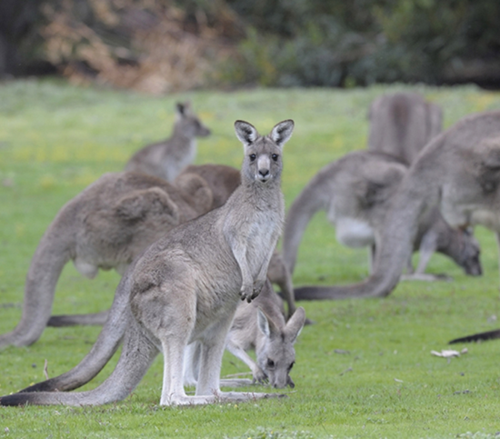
{"x": 166, "y": 159}
{"x": 259, "y": 325}
{"x": 457, "y": 172}
{"x": 402, "y": 123}
{"x": 223, "y": 180}
{"x": 185, "y": 288}
{"x": 106, "y": 226}
{"x": 356, "y": 191}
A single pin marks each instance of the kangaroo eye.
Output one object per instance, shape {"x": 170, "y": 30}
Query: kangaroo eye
{"x": 291, "y": 365}
{"x": 275, "y": 157}
{"x": 252, "y": 157}
{"x": 270, "y": 363}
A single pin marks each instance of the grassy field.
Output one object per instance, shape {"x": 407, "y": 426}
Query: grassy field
{"x": 363, "y": 370}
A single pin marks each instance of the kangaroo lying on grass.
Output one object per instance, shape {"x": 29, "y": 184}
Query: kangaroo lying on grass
{"x": 167, "y": 158}
{"x": 185, "y": 288}
{"x": 458, "y": 172}
{"x": 259, "y": 325}
{"x": 356, "y": 192}
{"x": 106, "y": 226}
{"x": 402, "y": 123}
{"x": 223, "y": 180}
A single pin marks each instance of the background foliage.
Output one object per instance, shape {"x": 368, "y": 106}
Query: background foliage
{"x": 163, "y": 45}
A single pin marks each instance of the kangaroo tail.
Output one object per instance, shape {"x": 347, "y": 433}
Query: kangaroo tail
{"x": 96, "y": 319}
{"x": 48, "y": 261}
{"x": 137, "y": 355}
{"x": 372, "y": 287}
{"x": 481, "y": 336}
{"x": 106, "y": 345}
{"x": 314, "y": 197}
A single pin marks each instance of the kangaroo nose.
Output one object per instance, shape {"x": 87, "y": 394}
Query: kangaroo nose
{"x": 264, "y": 172}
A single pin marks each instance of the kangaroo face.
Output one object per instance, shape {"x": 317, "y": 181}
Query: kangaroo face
{"x": 276, "y": 354}
{"x": 276, "y": 361}
{"x": 469, "y": 254}
{"x": 189, "y": 123}
{"x": 262, "y": 160}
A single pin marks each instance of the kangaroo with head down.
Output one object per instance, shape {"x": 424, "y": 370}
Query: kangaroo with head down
{"x": 223, "y": 180}
{"x": 261, "y": 326}
{"x": 459, "y": 173}
{"x": 106, "y": 226}
{"x": 356, "y": 191}
{"x": 185, "y": 288}
{"x": 402, "y": 123}
{"x": 167, "y": 158}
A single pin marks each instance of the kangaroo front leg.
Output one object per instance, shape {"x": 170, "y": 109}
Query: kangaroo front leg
{"x": 257, "y": 373}
{"x": 239, "y": 251}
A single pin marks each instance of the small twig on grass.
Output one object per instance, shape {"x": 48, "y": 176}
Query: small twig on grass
{"x": 45, "y": 369}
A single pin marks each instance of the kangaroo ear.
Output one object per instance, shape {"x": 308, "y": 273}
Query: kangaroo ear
{"x": 263, "y": 323}
{"x": 266, "y": 325}
{"x": 282, "y": 132}
{"x": 246, "y": 132}
{"x": 182, "y": 108}
{"x": 295, "y": 324}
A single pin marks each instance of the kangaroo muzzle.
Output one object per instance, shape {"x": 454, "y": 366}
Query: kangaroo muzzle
{"x": 263, "y": 167}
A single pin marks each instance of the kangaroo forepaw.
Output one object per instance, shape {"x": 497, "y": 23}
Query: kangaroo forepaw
{"x": 259, "y": 376}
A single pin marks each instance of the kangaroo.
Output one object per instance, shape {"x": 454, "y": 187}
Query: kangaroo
{"x": 356, "y": 192}
{"x": 402, "y": 123}
{"x": 167, "y": 158}
{"x": 185, "y": 288}
{"x": 106, "y": 226}
{"x": 458, "y": 172}
{"x": 223, "y": 180}
{"x": 259, "y": 325}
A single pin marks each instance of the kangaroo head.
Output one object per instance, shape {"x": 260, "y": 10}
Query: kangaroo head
{"x": 276, "y": 355}
{"x": 188, "y": 123}
{"x": 469, "y": 253}
{"x": 262, "y": 161}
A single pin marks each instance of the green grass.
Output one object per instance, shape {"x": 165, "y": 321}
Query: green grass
{"x": 56, "y": 139}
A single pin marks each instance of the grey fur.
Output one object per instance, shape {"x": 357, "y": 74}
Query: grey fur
{"x": 223, "y": 180}
{"x": 106, "y": 226}
{"x": 457, "y": 172}
{"x": 167, "y": 158}
{"x": 356, "y": 192}
{"x": 402, "y": 123}
{"x": 185, "y": 288}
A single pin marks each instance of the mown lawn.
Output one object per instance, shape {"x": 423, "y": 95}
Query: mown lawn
{"x": 364, "y": 369}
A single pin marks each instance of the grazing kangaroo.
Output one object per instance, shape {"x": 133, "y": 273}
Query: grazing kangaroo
{"x": 223, "y": 180}
{"x": 356, "y": 191}
{"x": 259, "y": 325}
{"x": 166, "y": 159}
{"x": 458, "y": 172}
{"x": 106, "y": 226}
{"x": 185, "y": 288}
{"x": 402, "y": 123}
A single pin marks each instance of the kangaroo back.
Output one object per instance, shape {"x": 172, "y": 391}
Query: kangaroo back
{"x": 166, "y": 159}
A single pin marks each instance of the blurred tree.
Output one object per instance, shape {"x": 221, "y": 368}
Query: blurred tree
{"x": 162, "y": 45}
{"x": 17, "y": 22}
